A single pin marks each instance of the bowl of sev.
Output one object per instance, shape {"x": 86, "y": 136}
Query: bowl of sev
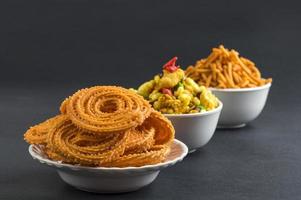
{"x": 236, "y": 81}
{"x": 106, "y": 139}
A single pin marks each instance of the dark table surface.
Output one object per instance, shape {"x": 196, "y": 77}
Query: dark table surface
{"x": 260, "y": 161}
{"x": 49, "y": 49}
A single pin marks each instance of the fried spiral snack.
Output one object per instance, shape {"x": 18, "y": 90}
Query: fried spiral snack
{"x": 38, "y": 134}
{"x": 105, "y": 126}
{"x": 103, "y": 109}
{"x": 164, "y": 135}
{"x": 224, "y": 68}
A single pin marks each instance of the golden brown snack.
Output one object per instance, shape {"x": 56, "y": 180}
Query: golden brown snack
{"x": 38, "y": 134}
{"x": 145, "y": 139}
{"x": 64, "y": 139}
{"x": 144, "y": 145}
{"x": 106, "y": 109}
{"x": 164, "y": 131}
{"x": 164, "y": 135}
{"x": 224, "y": 68}
{"x": 140, "y": 139}
{"x": 154, "y": 155}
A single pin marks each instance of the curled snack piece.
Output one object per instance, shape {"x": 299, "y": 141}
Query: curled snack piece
{"x": 145, "y": 144}
{"x": 65, "y": 139}
{"x": 164, "y": 135}
{"x": 224, "y": 68}
{"x": 38, "y": 133}
{"x": 105, "y": 126}
{"x": 154, "y": 155}
{"x": 164, "y": 131}
{"x": 140, "y": 139}
{"x": 105, "y": 109}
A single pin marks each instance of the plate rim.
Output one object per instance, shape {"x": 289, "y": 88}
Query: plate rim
{"x": 153, "y": 167}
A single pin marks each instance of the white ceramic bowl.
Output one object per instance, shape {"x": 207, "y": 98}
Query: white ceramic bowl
{"x": 114, "y": 179}
{"x": 196, "y": 129}
{"x": 241, "y": 105}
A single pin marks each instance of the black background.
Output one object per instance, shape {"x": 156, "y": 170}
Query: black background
{"x": 49, "y": 49}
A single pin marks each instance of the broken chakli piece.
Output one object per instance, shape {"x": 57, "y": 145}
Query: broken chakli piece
{"x": 105, "y": 126}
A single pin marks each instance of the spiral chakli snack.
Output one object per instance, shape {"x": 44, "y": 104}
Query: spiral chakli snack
{"x": 105, "y": 109}
{"x": 66, "y": 139}
{"x": 164, "y": 131}
{"x": 164, "y": 135}
{"x": 139, "y": 140}
{"x": 38, "y": 134}
{"x": 105, "y": 126}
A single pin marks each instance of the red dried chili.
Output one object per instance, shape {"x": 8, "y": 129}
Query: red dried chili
{"x": 171, "y": 65}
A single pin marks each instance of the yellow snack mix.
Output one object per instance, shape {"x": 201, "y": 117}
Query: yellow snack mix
{"x": 173, "y": 93}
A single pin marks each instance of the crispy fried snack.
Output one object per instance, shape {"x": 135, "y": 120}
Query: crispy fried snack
{"x": 105, "y": 126}
{"x": 38, "y": 134}
{"x": 224, "y": 68}
{"x": 156, "y": 153}
{"x": 66, "y": 140}
{"x": 106, "y": 109}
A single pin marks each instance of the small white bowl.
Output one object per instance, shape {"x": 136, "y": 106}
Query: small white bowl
{"x": 241, "y": 105}
{"x": 195, "y": 129}
{"x": 110, "y": 180}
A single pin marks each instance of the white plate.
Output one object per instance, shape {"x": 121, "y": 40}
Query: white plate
{"x": 110, "y": 179}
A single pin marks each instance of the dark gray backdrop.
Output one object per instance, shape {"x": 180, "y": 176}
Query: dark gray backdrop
{"x": 48, "y": 49}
